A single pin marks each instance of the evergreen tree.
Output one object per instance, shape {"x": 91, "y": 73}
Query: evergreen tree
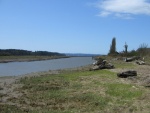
{"x": 113, "y": 47}
{"x": 126, "y": 48}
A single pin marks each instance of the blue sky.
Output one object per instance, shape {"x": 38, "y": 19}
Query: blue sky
{"x": 74, "y": 26}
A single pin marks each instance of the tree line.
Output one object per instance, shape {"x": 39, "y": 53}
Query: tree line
{"x": 18, "y": 52}
{"x": 143, "y": 50}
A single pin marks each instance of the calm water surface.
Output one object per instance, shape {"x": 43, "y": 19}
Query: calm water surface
{"x": 20, "y": 68}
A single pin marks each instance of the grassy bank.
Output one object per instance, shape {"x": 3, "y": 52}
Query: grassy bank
{"x": 79, "y": 91}
{"x": 5, "y": 59}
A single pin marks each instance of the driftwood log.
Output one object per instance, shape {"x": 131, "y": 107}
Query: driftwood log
{"x": 101, "y": 64}
{"x": 132, "y": 59}
{"x": 140, "y": 62}
{"x": 127, "y": 74}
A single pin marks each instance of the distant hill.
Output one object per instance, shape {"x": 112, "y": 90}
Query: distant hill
{"x": 18, "y": 52}
{"x": 81, "y": 54}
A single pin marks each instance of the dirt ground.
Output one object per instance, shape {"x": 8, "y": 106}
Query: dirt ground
{"x": 143, "y": 77}
{"x": 9, "y": 85}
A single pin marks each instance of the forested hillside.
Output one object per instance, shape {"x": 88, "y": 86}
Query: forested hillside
{"x": 18, "y": 52}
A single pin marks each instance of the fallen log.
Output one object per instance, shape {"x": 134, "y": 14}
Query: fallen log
{"x": 127, "y": 74}
{"x": 140, "y": 62}
{"x": 132, "y": 59}
{"x": 101, "y": 63}
{"x": 102, "y": 66}
{"x": 106, "y": 66}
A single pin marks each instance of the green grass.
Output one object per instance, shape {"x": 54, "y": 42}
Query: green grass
{"x": 10, "y": 109}
{"x": 123, "y": 91}
{"x": 64, "y": 88}
{"x": 126, "y": 65}
{"x": 78, "y": 91}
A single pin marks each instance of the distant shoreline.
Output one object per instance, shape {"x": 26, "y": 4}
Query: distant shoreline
{"x": 7, "y": 59}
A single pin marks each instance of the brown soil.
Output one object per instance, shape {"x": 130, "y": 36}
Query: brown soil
{"x": 9, "y": 85}
{"x": 143, "y": 77}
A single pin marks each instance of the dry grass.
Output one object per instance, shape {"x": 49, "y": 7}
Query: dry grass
{"x": 81, "y": 92}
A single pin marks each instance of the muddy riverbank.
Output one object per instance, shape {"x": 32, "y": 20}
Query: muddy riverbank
{"x": 7, "y": 59}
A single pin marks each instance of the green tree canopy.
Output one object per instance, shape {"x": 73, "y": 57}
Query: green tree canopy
{"x": 113, "y": 47}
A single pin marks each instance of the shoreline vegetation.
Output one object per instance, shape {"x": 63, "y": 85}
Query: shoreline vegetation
{"x": 78, "y": 90}
{"x": 18, "y": 55}
{"x": 6, "y": 59}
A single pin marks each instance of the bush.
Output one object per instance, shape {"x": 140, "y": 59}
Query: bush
{"x": 143, "y": 50}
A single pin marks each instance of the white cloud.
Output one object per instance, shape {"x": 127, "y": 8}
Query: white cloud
{"x": 104, "y": 13}
{"x": 123, "y": 8}
{"x": 124, "y": 16}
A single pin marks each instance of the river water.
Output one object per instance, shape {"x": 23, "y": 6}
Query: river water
{"x": 21, "y": 68}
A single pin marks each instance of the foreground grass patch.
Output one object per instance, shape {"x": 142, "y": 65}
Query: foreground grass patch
{"x": 9, "y": 109}
{"x": 123, "y": 91}
{"x": 77, "y": 91}
{"x": 123, "y": 64}
{"x": 66, "y": 91}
